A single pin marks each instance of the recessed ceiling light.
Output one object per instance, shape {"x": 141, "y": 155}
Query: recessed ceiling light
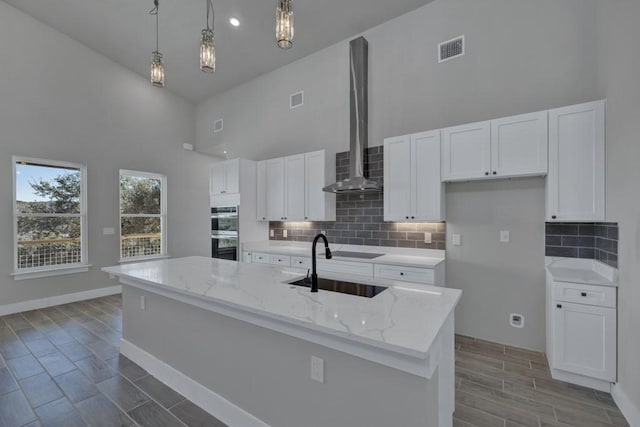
{"x": 234, "y": 21}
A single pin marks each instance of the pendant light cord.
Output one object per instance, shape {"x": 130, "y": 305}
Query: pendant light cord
{"x": 210, "y": 12}
{"x": 155, "y": 11}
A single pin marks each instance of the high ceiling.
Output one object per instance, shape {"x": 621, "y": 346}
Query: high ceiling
{"x": 124, "y": 31}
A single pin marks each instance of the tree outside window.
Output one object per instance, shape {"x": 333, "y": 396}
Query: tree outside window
{"x": 142, "y": 215}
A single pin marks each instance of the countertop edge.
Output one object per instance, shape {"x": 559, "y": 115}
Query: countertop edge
{"x": 419, "y": 363}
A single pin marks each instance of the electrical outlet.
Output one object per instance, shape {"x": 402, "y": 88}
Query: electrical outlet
{"x": 284, "y": 233}
{"x": 427, "y": 237}
{"x": 317, "y": 369}
{"x": 108, "y": 231}
{"x": 143, "y": 302}
{"x": 516, "y": 320}
{"x": 504, "y": 236}
{"x": 272, "y": 233}
{"x": 456, "y": 239}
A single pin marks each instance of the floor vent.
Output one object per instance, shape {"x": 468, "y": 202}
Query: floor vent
{"x": 451, "y": 49}
{"x": 296, "y": 100}
{"x": 218, "y": 125}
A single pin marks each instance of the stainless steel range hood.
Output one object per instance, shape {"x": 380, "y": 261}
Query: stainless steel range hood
{"x": 359, "y": 120}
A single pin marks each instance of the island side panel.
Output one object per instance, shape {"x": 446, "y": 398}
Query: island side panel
{"x": 267, "y": 373}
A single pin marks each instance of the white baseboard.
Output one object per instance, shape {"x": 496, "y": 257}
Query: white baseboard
{"x": 628, "y": 408}
{"x": 205, "y": 398}
{"x": 569, "y": 377}
{"x": 36, "y": 304}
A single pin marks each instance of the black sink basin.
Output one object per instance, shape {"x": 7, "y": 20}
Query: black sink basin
{"x": 358, "y": 289}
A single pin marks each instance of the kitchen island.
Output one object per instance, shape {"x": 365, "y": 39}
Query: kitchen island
{"x": 238, "y": 340}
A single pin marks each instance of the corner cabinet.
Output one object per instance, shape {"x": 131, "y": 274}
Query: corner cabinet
{"x": 502, "y": 148}
{"x": 224, "y": 177}
{"x": 290, "y": 188}
{"x": 576, "y": 181}
{"x": 413, "y": 189}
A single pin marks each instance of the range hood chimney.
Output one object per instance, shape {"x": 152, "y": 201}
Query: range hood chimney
{"x": 359, "y": 121}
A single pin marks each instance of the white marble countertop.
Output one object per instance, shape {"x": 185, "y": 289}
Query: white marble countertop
{"x": 406, "y": 257}
{"x": 403, "y": 319}
{"x": 577, "y": 270}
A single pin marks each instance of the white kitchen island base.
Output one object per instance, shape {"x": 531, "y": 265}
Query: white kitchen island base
{"x": 248, "y": 369}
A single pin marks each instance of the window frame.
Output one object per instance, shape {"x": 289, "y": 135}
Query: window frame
{"x": 59, "y": 269}
{"x": 162, "y": 215}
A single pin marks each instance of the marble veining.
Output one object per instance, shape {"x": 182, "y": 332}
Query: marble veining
{"x": 404, "y": 318}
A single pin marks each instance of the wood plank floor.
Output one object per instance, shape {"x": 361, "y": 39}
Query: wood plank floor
{"x": 60, "y": 367}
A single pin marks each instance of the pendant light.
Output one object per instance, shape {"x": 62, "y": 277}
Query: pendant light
{"x": 157, "y": 67}
{"x": 284, "y": 24}
{"x": 207, "y": 48}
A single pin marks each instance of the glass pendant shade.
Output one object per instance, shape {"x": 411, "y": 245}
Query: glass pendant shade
{"x": 157, "y": 70}
{"x": 207, "y": 52}
{"x": 284, "y": 24}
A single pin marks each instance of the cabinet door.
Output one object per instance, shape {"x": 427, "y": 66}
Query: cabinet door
{"x": 466, "y": 152}
{"x": 294, "y": 185}
{"x": 397, "y": 178}
{"x": 519, "y": 145}
{"x": 232, "y": 176}
{"x": 216, "y": 178}
{"x": 584, "y": 340}
{"x": 275, "y": 189}
{"x": 427, "y": 193}
{"x": 575, "y": 184}
{"x": 261, "y": 190}
{"x": 315, "y": 200}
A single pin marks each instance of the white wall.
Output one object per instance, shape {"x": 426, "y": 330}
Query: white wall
{"x": 620, "y": 72}
{"x": 60, "y": 100}
{"x": 522, "y": 56}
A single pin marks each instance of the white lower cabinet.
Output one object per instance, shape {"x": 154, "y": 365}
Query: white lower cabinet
{"x": 246, "y": 257}
{"x": 404, "y": 274}
{"x": 582, "y": 333}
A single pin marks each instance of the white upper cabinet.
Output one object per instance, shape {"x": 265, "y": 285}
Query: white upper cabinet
{"x": 295, "y": 187}
{"x": 318, "y": 205}
{"x": 576, "y": 181}
{"x": 412, "y": 189}
{"x": 224, "y": 177}
{"x": 466, "y": 152}
{"x": 275, "y": 190}
{"x": 261, "y": 190}
{"x": 519, "y": 145}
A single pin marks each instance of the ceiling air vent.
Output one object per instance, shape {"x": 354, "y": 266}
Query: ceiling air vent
{"x": 296, "y": 100}
{"x": 218, "y": 125}
{"x": 451, "y": 49}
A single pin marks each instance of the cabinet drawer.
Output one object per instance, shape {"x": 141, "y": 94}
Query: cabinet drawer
{"x": 281, "y": 260}
{"x": 345, "y": 267}
{"x": 301, "y": 262}
{"x": 261, "y": 258}
{"x": 603, "y": 296}
{"x": 405, "y": 274}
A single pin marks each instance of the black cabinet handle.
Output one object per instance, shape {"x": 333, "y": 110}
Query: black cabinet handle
{"x": 402, "y": 274}
{"x": 413, "y": 217}
{"x": 494, "y": 172}
{"x": 406, "y": 217}
{"x": 553, "y": 217}
{"x": 486, "y": 173}
{"x": 584, "y": 294}
{"x": 559, "y": 305}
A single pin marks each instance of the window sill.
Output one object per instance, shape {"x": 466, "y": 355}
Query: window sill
{"x": 53, "y": 271}
{"x": 143, "y": 258}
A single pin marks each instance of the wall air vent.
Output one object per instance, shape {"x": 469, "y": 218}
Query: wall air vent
{"x": 296, "y": 100}
{"x": 218, "y": 125}
{"x": 451, "y": 49}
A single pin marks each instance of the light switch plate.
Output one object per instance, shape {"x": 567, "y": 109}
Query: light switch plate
{"x": 504, "y": 236}
{"x": 317, "y": 369}
{"x": 456, "y": 239}
{"x": 108, "y": 231}
{"x": 272, "y": 233}
{"x": 143, "y": 302}
{"x": 427, "y": 237}
{"x": 284, "y": 233}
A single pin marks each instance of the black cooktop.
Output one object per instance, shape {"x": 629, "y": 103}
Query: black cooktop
{"x": 358, "y": 289}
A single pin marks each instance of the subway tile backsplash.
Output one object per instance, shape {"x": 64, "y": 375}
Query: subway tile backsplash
{"x": 360, "y": 217}
{"x": 583, "y": 240}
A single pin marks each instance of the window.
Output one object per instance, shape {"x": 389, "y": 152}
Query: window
{"x": 50, "y": 233}
{"x": 142, "y": 215}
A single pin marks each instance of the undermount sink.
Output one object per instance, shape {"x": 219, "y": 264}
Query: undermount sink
{"x": 350, "y": 254}
{"x": 357, "y": 289}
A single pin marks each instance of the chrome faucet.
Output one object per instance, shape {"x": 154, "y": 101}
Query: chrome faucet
{"x": 327, "y": 255}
